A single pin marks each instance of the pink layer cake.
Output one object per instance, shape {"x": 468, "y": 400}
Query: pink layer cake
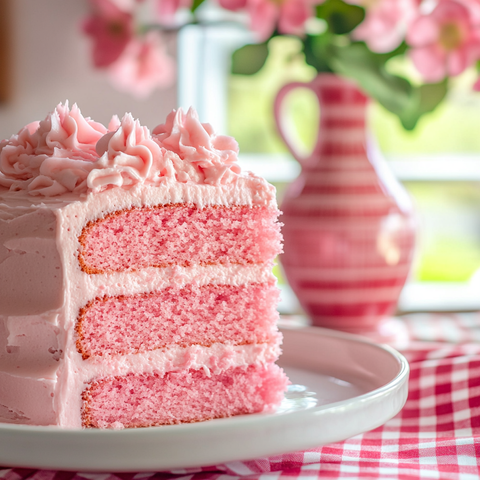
{"x": 135, "y": 275}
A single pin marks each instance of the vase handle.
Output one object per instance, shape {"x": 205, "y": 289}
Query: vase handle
{"x": 280, "y": 120}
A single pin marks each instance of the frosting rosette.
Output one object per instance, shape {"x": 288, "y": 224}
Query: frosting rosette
{"x": 53, "y": 156}
{"x": 127, "y": 157}
{"x": 205, "y": 157}
{"x": 67, "y": 152}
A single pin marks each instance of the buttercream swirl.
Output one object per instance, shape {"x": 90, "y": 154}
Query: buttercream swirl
{"x": 206, "y": 157}
{"x": 53, "y": 156}
{"x": 127, "y": 157}
{"x": 69, "y": 153}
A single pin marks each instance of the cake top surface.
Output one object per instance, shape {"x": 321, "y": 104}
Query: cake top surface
{"x": 67, "y": 153}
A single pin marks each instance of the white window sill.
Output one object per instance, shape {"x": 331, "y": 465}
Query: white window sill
{"x": 413, "y": 168}
{"x": 415, "y": 297}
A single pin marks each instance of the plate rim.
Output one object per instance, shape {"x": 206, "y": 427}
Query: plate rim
{"x": 241, "y": 424}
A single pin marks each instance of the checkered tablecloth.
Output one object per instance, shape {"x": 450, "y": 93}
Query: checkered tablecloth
{"x": 435, "y": 436}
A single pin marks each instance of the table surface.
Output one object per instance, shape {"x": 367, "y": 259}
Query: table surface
{"x": 435, "y": 436}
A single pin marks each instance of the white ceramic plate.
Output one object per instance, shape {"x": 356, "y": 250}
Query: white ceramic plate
{"x": 342, "y": 386}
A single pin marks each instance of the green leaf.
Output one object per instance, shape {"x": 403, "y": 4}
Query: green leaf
{"x": 315, "y": 49}
{"x": 341, "y": 17}
{"x": 400, "y": 50}
{"x": 395, "y": 93}
{"x": 432, "y": 94}
{"x": 357, "y": 62}
{"x": 424, "y": 100}
{"x": 195, "y": 5}
{"x": 249, "y": 59}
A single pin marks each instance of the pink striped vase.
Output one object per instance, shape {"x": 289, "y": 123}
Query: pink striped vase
{"x": 349, "y": 225}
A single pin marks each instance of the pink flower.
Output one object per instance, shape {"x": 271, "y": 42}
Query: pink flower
{"x": 289, "y": 16}
{"x": 445, "y": 42}
{"x": 143, "y": 66}
{"x": 385, "y": 23}
{"x": 473, "y": 7}
{"x": 125, "y": 5}
{"x": 166, "y": 9}
{"x": 233, "y": 5}
{"x": 111, "y": 30}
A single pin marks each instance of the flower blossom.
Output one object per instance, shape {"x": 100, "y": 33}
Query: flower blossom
{"x": 143, "y": 67}
{"x": 111, "y": 29}
{"x": 166, "y": 9}
{"x": 446, "y": 41}
{"x": 289, "y": 16}
{"x": 385, "y": 23}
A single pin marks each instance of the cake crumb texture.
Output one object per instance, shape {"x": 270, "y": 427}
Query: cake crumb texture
{"x": 179, "y": 235}
{"x": 179, "y": 316}
{"x": 187, "y": 396}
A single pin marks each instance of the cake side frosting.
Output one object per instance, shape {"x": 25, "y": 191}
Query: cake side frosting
{"x": 28, "y": 255}
{"x": 27, "y": 400}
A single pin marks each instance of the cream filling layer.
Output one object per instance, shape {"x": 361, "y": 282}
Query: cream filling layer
{"x": 154, "y": 279}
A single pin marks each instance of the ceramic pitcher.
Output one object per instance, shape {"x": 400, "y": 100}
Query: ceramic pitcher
{"x": 349, "y": 224}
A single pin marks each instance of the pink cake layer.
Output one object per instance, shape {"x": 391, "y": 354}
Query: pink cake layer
{"x": 179, "y": 234}
{"x": 181, "y": 316}
{"x": 185, "y": 396}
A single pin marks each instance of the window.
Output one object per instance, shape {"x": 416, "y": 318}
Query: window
{"x": 439, "y": 163}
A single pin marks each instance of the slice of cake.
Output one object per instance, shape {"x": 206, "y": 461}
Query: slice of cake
{"x": 135, "y": 275}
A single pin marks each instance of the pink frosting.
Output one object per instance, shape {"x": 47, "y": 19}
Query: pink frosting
{"x": 53, "y": 156}
{"x": 69, "y": 153}
{"x": 206, "y": 157}
{"x": 127, "y": 156}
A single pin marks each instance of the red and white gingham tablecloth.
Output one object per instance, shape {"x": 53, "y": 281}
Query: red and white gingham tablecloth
{"x": 435, "y": 436}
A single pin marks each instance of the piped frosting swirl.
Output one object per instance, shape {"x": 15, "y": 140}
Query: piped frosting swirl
{"x": 53, "y": 156}
{"x": 67, "y": 152}
{"x": 205, "y": 157}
